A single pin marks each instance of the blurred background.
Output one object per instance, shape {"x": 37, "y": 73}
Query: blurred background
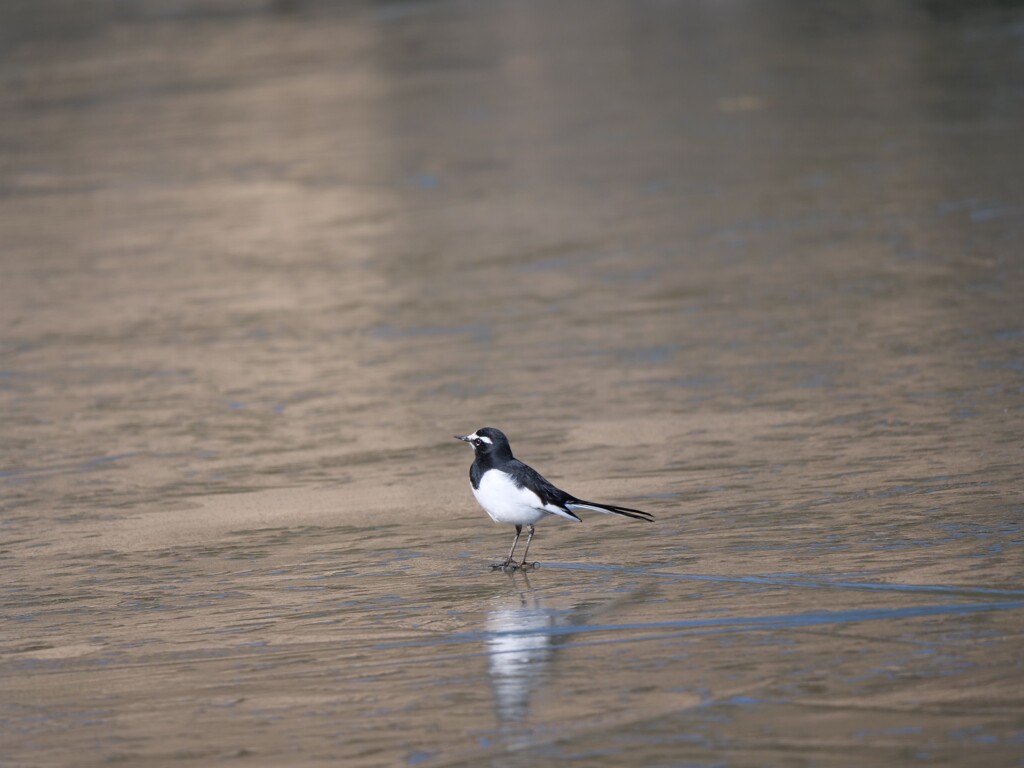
{"x": 753, "y": 265}
{"x": 244, "y": 239}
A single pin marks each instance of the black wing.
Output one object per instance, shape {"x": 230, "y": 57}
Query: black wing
{"x": 525, "y": 476}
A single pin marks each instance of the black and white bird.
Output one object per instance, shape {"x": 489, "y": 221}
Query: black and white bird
{"x": 514, "y": 493}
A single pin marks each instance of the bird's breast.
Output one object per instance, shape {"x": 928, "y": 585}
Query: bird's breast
{"x": 505, "y": 502}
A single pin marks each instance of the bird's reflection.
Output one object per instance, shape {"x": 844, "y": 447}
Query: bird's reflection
{"x": 523, "y": 638}
{"x": 520, "y": 645}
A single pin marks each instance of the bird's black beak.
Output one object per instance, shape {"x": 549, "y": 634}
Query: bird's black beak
{"x": 463, "y": 438}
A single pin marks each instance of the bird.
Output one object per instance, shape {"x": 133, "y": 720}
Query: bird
{"x": 513, "y": 492}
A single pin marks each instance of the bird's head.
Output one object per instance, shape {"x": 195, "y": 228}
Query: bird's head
{"x": 486, "y": 441}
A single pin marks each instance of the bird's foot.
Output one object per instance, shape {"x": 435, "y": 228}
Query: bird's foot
{"x": 511, "y": 565}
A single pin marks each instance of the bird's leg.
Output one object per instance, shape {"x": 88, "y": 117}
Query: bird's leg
{"x": 527, "y": 550}
{"x": 509, "y": 562}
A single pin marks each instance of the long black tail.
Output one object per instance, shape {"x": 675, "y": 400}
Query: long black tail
{"x": 610, "y": 509}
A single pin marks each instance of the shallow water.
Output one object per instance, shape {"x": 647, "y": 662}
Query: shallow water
{"x": 754, "y": 267}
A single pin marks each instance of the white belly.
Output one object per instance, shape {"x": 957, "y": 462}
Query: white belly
{"x": 505, "y": 503}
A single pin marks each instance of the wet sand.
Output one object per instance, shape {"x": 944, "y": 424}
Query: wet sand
{"x": 753, "y": 267}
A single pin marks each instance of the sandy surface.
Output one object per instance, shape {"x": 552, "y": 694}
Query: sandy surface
{"x": 752, "y": 267}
